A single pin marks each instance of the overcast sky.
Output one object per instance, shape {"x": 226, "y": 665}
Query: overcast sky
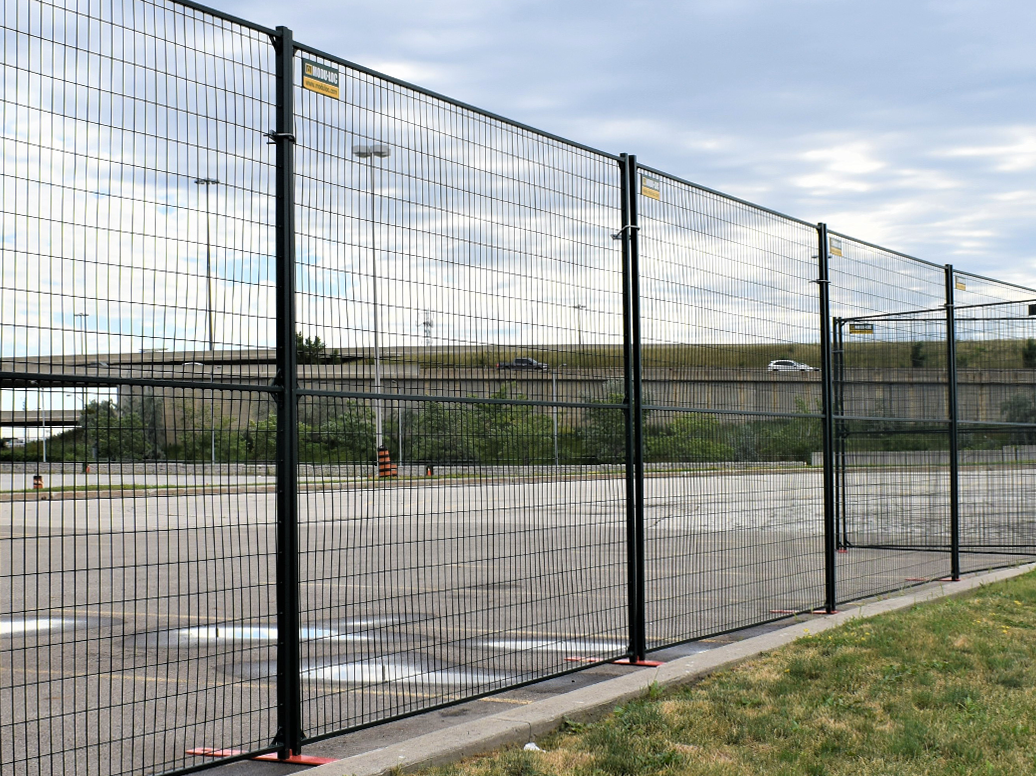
{"x": 910, "y": 124}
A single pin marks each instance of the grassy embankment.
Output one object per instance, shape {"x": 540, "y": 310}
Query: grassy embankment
{"x": 861, "y": 352}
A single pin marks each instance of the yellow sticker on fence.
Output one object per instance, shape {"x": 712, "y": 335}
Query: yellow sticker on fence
{"x": 960, "y": 285}
{"x": 650, "y": 187}
{"x": 861, "y": 328}
{"x": 319, "y": 78}
{"x": 835, "y": 246}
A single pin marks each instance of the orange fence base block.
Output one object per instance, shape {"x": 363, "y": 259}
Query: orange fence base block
{"x": 295, "y": 759}
{"x": 625, "y": 661}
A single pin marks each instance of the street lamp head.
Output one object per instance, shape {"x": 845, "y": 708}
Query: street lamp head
{"x": 367, "y": 151}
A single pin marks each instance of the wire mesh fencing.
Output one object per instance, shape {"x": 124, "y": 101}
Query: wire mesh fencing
{"x": 730, "y": 501}
{"x": 995, "y": 358}
{"x": 332, "y": 400}
{"x": 892, "y": 431}
{"x": 136, "y": 578}
{"x": 467, "y": 268}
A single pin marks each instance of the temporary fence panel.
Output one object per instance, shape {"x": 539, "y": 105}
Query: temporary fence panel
{"x": 136, "y": 584}
{"x": 996, "y": 366}
{"x": 732, "y": 507}
{"x": 892, "y": 429}
{"x": 349, "y": 401}
{"x": 460, "y": 275}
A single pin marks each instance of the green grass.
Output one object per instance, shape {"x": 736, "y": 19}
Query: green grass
{"x": 945, "y": 688}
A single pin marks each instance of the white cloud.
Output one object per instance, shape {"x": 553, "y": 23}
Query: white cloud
{"x": 854, "y": 158}
{"x": 1016, "y": 152}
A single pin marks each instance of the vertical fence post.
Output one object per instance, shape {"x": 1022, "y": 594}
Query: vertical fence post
{"x": 840, "y": 436}
{"x": 636, "y": 602}
{"x": 289, "y": 693}
{"x": 951, "y": 396}
{"x": 827, "y": 408}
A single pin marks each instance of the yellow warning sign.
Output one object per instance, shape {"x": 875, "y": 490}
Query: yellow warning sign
{"x": 960, "y": 285}
{"x": 836, "y": 249}
{"x": 650, "y": 187}
{"x": 320, "y": 78}
{"x": 861, "y": 328}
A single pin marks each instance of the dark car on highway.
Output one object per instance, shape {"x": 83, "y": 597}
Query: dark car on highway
{"x": 523, "y": 363}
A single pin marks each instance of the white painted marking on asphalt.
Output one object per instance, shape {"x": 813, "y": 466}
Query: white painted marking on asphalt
{"x": 259, "y": 633}
{"x": 377, "y": 672}
{"x": 569, "y": 647}
{"x": 35, "y": 625}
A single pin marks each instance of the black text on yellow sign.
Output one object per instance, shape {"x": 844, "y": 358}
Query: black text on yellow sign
{"x": 650, "y": 187}
{"x": 319, "y": 78}
{"x": 861, "y": 328}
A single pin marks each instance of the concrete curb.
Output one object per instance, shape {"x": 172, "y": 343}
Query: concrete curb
{"x": 521, "y": 725}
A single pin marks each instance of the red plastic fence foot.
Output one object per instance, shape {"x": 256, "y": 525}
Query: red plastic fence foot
{"x": 844, "y": 549}
{"x": 295, "y": 759}
{"x": 824, "y": 611}
{"x": 625, "y": 661}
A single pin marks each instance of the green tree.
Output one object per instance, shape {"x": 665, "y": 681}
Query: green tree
{"x": 604, "y": 428}
{"x": 113, "y": 433}
{"x": 200, "y": 433}
{"x": 511, "y": 433}
{"x": 312, "y": 350}
{"x": 780, "y": 439}
{"x": 1029, "y": 354}
{"x": 917, "y": 355}
{"x": 261, "y": 439}
{"x": 1021, "y": 410}
{"x": 347, "y": 436}
{"x": 441, "y": 433}
{"x": 692, "y": 437}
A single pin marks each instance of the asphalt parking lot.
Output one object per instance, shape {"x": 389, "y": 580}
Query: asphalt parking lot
{"x": 137, "y": 629}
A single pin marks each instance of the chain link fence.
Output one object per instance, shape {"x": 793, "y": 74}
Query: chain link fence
{"x": 328, "y": 400}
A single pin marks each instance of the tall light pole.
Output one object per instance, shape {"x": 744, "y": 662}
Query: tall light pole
{"x": 208, "y": 183}
{"x": 368, "y": 152}
{"x": 86, "y": 421}
{"x": 212, "y": 406}
{"x": 554, "y": 409}
{"x": 41, "y": 412}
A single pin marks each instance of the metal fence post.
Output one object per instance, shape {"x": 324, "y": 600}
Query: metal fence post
{"x": 289, "y": 691}
{"x": 637, "y": 606}
{"x": 827, "y": 408}
{"x": 951, "y": 396}
{"x": 841, "y": 434}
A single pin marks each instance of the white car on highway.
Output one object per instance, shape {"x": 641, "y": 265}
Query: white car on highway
{"x": 784, "y": 365}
